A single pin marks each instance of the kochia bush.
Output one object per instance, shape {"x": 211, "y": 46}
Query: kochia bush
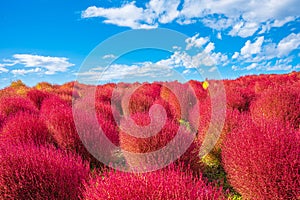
{"x": 38, "y": 96}
{"x": 165, "y": 136}
{"x": 279, "y": 104}
{"x": 11, "y": 105}
{"x": 26, "y": 128}
{"x": 263, "y": 162}
{"x": 58, "y": 117}
{"x": 31, "y": 172}
{"x": 169, "y": 183}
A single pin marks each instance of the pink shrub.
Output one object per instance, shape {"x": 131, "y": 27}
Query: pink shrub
{"x": 37, "y": 97}
{"x": 134, "y": 139}
{"x": 170, "y": 110}
{"x": 149, "y": 89}
{"x": 139, "y": 97}
{"x": 279, "y": 104}
{"x": 169, "y": 183}
{"x": 107, "y": 112}
{"x": 30, "y": 172}
{"x": 140, "y": 103}
{"x": 11, "y": 105}
{"x": 148, "y": 144}
{"x": 108, "y": 118}
{"x": 238, "y": 96}
{"x": 180, "y": 96}
{"x": 104, "y": 92}
{"x": 99, "y": 143}
{"x": 263, "y": 162}
{"x": 25, "y": 128}
{"x": 111, "y": 131}
{"x": 198, "y": 89}
{"x": 58, "y": 117}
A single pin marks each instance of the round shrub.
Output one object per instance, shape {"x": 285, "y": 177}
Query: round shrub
{"x": 180, "y": 96}
{"x": 277, "y": 104}
{"x": 26, "y": 128}
{"x": 263, "y": 162}
{"x": 98, "y": 142}
{"x": 11, "y": 105}
{"x": 135, "y": 138}
{"x": 58, "y": 117}
{"x": 37, "y": 97}
{"x": 169, "y": 183}
{"x": 31, "y": 172}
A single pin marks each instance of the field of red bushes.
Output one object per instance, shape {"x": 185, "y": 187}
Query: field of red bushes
{"x": 255, "y": 156}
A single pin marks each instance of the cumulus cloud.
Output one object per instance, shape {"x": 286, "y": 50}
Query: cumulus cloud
{"x": 266, "y": 55}
{"x": 114, "y": 72}
{"x": 181, "y": 61}
{"x": 252, "y": 48}
{"x": 50, "y": 65}
{"x": 235, "y": 55}
{"x": 288, "y": 44}
{"x": 109, "y": 56}
{"x": 261, "y": 49}
{"x": 205, "y": 58}
{"x": 196, "y": 41}
{"x": 24, "y": 71}
{"x": 3, "y": 69}
{"x": 238, "y": 17}
{"x": 128, "y": 15}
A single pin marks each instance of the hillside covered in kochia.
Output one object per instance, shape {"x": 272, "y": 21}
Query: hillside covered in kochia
{"x": 242, "y": 140}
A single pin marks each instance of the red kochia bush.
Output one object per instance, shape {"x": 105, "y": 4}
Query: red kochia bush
{"x": 263, "y": 162}
{"x": 167, "y": 184}
{"x": 11, "y": 105}
{"x": 96, "y": 140}
{"x": 181, "y": 96}
{"x": 1, "y": 121}
{"x": 37, "y": 97}
{"x": 134, "y": 139}
{"x": 31, "y": 172}
{"x": 25, "y": 128}
{"x": 58, "y": 117}
{"x": 278, "y": 103}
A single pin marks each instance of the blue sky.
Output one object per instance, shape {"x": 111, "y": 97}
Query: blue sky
{"x": 49, "y": 40}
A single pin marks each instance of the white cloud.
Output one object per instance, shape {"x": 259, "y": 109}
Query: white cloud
{"x": 212, "y": 69}
{"x": 187, "y": 71}
{"x": 244, "y": 29}
{"x": 205, "y": 58}
{"x": 3, "y": 69}
{"x": 128, "y": 15}
{"x": 210, "y": 47}
{"x": 279, "y": 23}
{"x": 238, "y": 17}
{"x": 109, "y": 56}
{"x": 279, "y": 65}
{"x": 50, "y": 64}
{"x": 195, "y": 41}
{"x": 252, "y": 66}
{"x": 24, "y": 71}
{"x": 252, "y": 48}
{"x": 219, "y": 36}
{"x": 288, "y": 44}
{"x": 164, "y": 10}
{"x": 235, "y": 55}
{"x": 123, "y": 71}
